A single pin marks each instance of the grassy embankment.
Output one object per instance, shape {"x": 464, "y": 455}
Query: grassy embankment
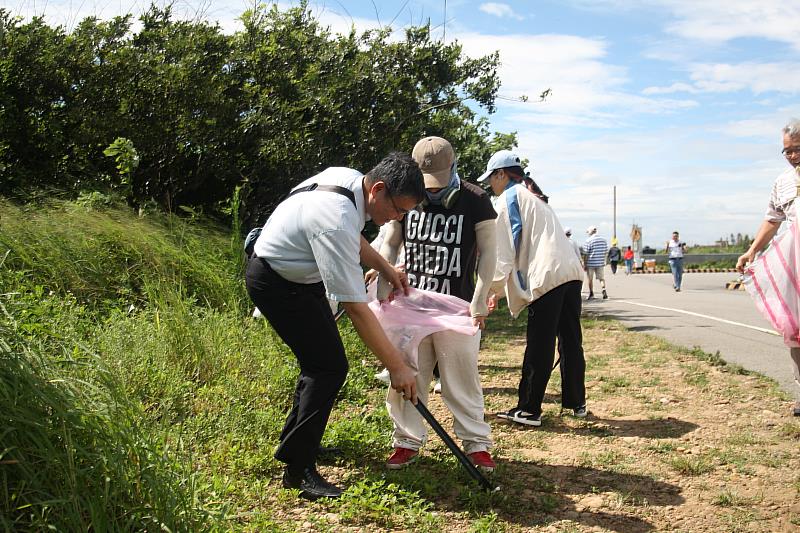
{"x": 137, "y": 393}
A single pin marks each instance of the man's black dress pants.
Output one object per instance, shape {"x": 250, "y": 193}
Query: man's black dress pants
{"x": 301, "y": 316}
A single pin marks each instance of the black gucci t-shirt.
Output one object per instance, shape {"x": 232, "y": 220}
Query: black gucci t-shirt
{"x": 441, "y": 249}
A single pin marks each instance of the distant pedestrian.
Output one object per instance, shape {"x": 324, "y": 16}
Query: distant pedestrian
{"x": 628, "y": 257}
{"x": 676, "y": 249}
{"x": 614, "y": 255}
{"x": 595, "y": 249}
{"x": 782, "y": 207}
{"x": 575, "y": 245}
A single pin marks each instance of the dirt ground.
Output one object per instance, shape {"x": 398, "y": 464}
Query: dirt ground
{"x": 672, "y": 442}
{"x": 675, "y": 441}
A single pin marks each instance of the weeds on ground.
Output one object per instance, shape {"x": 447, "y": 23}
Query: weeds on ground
{"x": 690, "y": 466}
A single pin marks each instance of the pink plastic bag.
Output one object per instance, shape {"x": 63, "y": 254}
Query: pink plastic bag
{"x": 409, "y": 319}
{"x": 772, "y": 281}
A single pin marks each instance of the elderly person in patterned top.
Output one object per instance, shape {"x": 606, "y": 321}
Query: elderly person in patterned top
{"x": 781, "y": 207}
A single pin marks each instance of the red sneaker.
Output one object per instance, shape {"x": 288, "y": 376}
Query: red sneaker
{"x": 483, "y": 461}
{"x": 401, "y": 457}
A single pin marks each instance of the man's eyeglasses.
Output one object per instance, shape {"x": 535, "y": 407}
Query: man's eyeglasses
{"x": 401, "y": 212}
{"x": 792, "y": 150}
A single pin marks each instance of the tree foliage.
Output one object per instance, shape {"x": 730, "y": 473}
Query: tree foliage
{"x": 204, "y": 112}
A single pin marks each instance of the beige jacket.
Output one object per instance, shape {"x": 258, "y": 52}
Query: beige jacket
{"x": 545, "y": 259}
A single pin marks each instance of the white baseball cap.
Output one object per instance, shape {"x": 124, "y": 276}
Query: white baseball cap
{"x": 501, "y": 159}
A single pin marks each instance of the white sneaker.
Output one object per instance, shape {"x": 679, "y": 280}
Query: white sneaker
{"x": 437, "y": 387}
{"x": 383, "y": 375}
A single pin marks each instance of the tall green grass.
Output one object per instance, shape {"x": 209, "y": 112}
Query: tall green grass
{"x": 73, "y": 453}
{"x": 110, "y": 255}
{"x": 138, "y": 393}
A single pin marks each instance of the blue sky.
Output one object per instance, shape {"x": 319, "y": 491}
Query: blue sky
{"x": 679, "y": 104}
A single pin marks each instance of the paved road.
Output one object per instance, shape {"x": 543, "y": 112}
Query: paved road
{"x": 731, "y": 323}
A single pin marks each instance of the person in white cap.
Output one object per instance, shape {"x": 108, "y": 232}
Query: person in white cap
{"x": 443, "y": 238}
{"x": 575, "y": 245}
{"x": 537, "y": 269}
{"x": 596, "y": 250}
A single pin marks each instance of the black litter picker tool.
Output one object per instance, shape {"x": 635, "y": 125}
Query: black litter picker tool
{"x": 460, "y": 455}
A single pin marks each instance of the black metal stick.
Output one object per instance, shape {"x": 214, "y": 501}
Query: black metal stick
{"x": 460, "y": 455}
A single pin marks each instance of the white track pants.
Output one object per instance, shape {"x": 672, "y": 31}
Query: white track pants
{"x": 457, "y": 355}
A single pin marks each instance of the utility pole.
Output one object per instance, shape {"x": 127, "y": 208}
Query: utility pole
{"x": 444, "y": 23}
{"x": 615, "y": 211}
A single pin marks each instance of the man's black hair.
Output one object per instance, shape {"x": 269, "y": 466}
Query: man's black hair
{"x": 401, "y": 174}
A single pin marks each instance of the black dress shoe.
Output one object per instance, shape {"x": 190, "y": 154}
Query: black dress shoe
{"x": 312, "y": 485}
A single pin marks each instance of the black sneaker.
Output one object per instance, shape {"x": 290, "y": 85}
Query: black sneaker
{"x": 591, "y": 296}
{"x": 521, "y": 417}
{"x": 605, "y": 296}
{"x": 580, "y": 411}
{"x": 312, "y": 485}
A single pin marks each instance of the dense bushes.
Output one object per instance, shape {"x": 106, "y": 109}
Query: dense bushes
{"x": 201, "y": 112}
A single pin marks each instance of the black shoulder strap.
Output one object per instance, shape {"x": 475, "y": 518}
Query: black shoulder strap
{"x": 329, "y": 188}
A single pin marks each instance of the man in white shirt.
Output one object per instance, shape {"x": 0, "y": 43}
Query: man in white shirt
{"x": 782, "y": 207}
{"x": 308, "y": 253}
{"x": 675, "y": 251}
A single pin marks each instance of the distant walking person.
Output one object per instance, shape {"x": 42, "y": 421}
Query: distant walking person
{"x": 781, "y": 207}
{"x": 614, "y": 255}
{"x": 628, "y": 257}
{"x": 595, "y": 249}
{"x": 675, "y": 249}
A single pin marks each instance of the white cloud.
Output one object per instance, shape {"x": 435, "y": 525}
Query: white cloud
{"x": 500, "y": 10}
{"x": 674, "y": 88}
{"x": 724, "y": 20}
{"x": 755, "y": 77}
{"x": 705, "y": 180}
{"x": 572, "y": 67}
{"x": 715, "y": 21}
{"x": 758, "y": 78}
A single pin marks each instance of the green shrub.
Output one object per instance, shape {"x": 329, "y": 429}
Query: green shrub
{"x": 73, "y": 456}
